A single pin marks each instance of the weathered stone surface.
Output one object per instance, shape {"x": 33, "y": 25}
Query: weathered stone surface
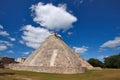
{"x": 54, "y": 56}
{"x": 61, "y": 70}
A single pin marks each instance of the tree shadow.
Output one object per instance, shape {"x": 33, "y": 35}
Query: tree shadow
{"x": 6, "y": 74}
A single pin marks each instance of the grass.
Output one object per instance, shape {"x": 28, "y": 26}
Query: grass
{"x": 105, "y": 74}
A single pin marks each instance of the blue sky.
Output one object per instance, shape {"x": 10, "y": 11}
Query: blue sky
{"x": 90, "y": 27}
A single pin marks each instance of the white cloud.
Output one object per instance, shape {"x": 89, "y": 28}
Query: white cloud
{"x": 81, "y": 1}
{"x": 21, "y": 42}
{"x": 53, "y": 17}
{"x": 12, "y": 39}
{"x": 34, "y": 36}
{"x": 82, "y": 49}
{"x": 10, "y": 51}
{"x": 102, "y": 57}
{"x": 69, "y": 33}
{"x": 111, "y": 43}
{"x": 4, "y": 33}
{"x": 1, "y": 27}
{"x": 26, "y": 53}
{"x": 4, "y": 45}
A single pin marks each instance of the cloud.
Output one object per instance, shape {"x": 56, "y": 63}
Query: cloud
{"x": 21, "y": 42}
{"x": 10, "y": 51}
{"x": 5, "y": 33}
{"x": 53, "y": 17}
{"x": 81, "y": 1}
{"x": 2, "y": 32}
{"x": 111, "y": 43}
{"x": 12, "y": 39}
{"x": 82, "y": 49}
{"x": 70, "y": 33}
{"x": 1, "y": 27}
{"x": 102, "y": 57}
{"x": 26, "y": 53}
{"x": 4, "y": 45}
{"x": 34, "y": 36}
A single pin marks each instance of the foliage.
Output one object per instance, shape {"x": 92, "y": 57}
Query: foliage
{"x": 95, "y": 62}
{"x": 112, "y": 61}
{"x": 109, "y": 62}
{"x": 1, "y": 64}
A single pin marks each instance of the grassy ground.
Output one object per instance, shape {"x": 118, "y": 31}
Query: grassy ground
{"x": 105, "y": 74}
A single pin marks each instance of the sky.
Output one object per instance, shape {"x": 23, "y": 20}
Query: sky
{"x": 90, "y": 27}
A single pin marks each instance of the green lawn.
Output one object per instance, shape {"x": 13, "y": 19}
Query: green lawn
{"x": 105, "y": 74}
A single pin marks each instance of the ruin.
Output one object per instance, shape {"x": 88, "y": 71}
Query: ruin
{"x": 53, "y": 56}
{"x": 21, "y": 60}
{"x": 5, "y": 61}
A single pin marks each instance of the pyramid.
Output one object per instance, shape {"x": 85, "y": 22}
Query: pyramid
{"x": 54, "y": 56}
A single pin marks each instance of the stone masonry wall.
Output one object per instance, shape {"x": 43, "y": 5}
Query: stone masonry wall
{"x": 68, "y": 70}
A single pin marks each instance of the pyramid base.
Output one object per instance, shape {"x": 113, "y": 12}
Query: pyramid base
{"x": 61, "y": 70}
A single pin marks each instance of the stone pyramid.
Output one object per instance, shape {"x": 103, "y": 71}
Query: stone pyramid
{"x": 54, "y": 56}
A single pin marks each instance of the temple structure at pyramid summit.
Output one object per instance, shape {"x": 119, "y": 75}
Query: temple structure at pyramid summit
{"x": 53, "y": 56}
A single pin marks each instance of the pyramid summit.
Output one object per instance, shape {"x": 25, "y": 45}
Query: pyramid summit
{"x": 54, "y": 56}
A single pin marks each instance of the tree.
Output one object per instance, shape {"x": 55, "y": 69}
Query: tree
{"x": 95, "y": 62}
{"x": 112, "y": 61}
{"x": 1, "y": 64}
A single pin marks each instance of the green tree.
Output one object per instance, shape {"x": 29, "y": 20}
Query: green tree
{"x": 112, "y": 61}
{"x": 95, "y": 62}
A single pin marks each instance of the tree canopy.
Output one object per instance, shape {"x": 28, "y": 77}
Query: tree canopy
{"x": 109, "y": 62}
{"x": 112, "y": 61}
{"x": 95, "y": 62}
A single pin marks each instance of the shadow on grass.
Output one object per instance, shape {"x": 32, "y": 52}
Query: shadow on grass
{"x": 6, "y": 74}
